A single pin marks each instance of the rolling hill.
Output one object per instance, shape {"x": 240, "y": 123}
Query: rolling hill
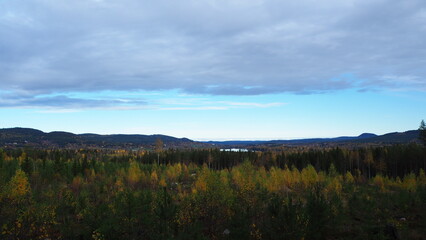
{"x": 365, "y": 138}
{"x": 27, "y": 137}
{"x": 31, "y": 137}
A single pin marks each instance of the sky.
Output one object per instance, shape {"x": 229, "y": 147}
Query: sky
{"x": 213, "y": 69}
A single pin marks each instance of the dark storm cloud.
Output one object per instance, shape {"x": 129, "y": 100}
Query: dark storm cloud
{"x": 212, "y": 46}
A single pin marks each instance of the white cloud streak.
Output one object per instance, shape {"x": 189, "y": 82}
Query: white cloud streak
{"x": 200, "y": 104}
{"x": 69, "y": 103}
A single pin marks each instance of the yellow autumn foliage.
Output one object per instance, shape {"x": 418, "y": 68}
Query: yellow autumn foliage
{"x": 76, "y": 184}
{"x": 134, "y": 173}
{"x": 276, "y": 180}
{"x": 295, "y": 175}
{"x": 119, "y": 185}
{"x": 154, "y": 178}
{"x": 309, "y": 176}
{"x": 334, "y": 186}
{"x": 173, "y": 172}
{"x": 379, "y": 181}
{"x": 349, "y": 178}
{"x": 19, "y": 186}
{"x": 409, "y": 183}
{"x": 201, "y": 183}
{"x": 162, "y": 182}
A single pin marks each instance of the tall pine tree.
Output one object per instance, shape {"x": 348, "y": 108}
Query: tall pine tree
{"x": 422, "y": 134}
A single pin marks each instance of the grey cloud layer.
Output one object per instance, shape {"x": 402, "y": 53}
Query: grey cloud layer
{"x": 215, "y": 47}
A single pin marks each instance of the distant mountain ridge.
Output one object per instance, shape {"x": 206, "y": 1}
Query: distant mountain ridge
{"x": 23, "y": 137}
{"x": 33, "y": 137}
{"x": 389, "y": 138}
{"x": 295, "y": 141}
{"x": 395, "y": 137}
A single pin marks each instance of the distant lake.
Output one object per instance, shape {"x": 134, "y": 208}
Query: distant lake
{"x": 234, "y": 150}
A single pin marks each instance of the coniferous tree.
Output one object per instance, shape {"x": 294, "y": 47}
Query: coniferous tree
{"x": 422, "y": 134}
{"x": 158, "y": 149}
{"x": 26, "y": 166}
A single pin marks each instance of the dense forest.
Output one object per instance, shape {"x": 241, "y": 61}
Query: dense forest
{"x": 296, "y": 193}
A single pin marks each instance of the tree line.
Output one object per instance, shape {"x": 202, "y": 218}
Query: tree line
{"x": 392, "y": 161}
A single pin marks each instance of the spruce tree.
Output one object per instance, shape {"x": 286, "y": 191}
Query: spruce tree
{"x": 422, "y": 134}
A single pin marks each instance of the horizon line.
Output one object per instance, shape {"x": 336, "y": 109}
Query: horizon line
{"x": 212, "y": 139}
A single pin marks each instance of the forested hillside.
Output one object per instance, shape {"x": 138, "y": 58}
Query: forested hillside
{"x": 27, "y": 137}
{"x": 366, "y": 193}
